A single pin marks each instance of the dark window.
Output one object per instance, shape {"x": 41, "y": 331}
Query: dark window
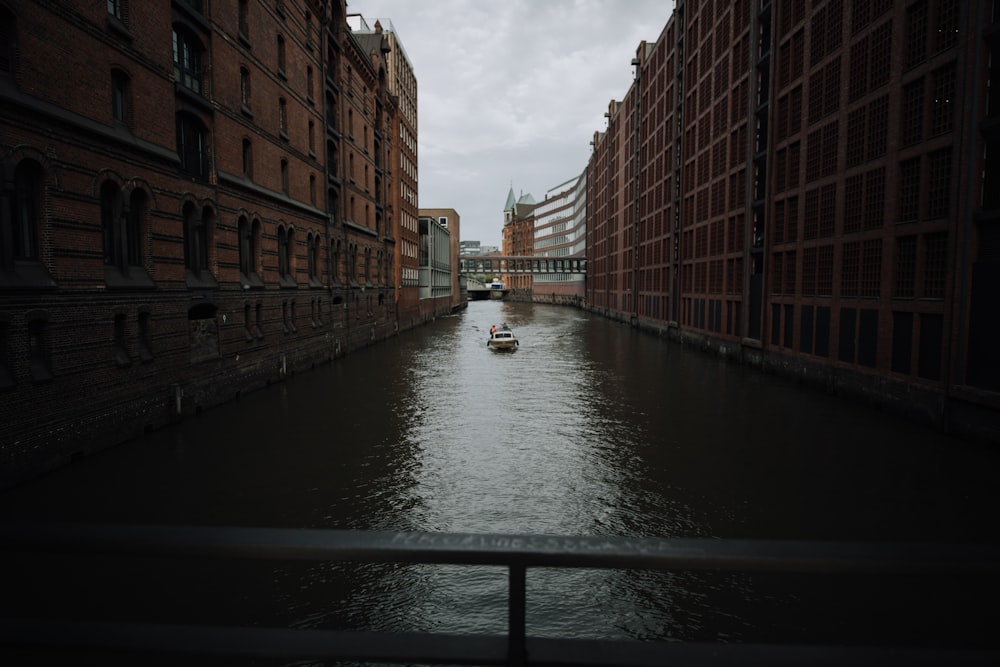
{"x": 7, "y": 32}
{"x": 931, "y": 343}
{"x": 935, "y": 264}
{"x": 39, "y": 360}
{"x": 789, "y": 325}
{"x": 909, "y": 190}
{"x": 916, "y": 33}
{"x": 116, "y": 9}
{"x": 120, "y": 105}
{"x": 192, "y": 145}
{"x": 943, "y": 103}
{"x": 243, "y": 22}
{"x": 245, "y": 88}
{"x": 247, "y": 159}
{"x": 187, "y": 60}
{"x": 912, "y": 113}
{"x": 281, "y": 55}
{"x": 902, "y": 342}
{"x": 313, "y": 251}
{"x": 939, "y": 184}
{"x": 906, "y": 267}
{"x": 846, "y": 341}
{"x": 283, "y": 118}
{"x": 112, "y": 225}
{"x": 195, "y": 241}
{"x": 145, "y": 336}
{"x": 284, "y": 176}
{"x": 249, "y": 238}
{"x": 121, "y": 355}
{"x": 822, "y": 331}
{"x": 806, "y": 330}
{"x": 868, "y": 338}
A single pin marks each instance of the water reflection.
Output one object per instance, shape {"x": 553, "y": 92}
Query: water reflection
{"x": 588, "y": 428}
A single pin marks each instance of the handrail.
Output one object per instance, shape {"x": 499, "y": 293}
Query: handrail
{"x": 516, "y": 553}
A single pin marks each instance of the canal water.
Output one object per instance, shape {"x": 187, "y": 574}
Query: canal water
{"x": 587, "y": 428}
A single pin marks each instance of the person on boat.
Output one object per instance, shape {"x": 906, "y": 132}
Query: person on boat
{"x": 504, "y": 327}
{"x": 493, "y": 329}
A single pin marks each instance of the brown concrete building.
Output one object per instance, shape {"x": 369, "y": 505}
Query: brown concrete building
{"x": 165, "y": 240}
{"x": 797, "y": 185}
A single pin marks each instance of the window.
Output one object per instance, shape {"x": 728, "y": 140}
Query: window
{"x": 195, "y": 241}
{"x": 247, "y": 159}
{"x": 312, "y": 138}
{"x": 121, "y": 355}
{"x": 283, "y": 118}
{"x": 120, "y": 103}
{"x": 145, "y": 336}
{"x": 249, "y": 235}
{"x": 187, "y": 60}
{"x": 116, "y": 9}
{"x": 284, "y": 176}
{"x": 309, "y": 83}
{"x": 122, "y": 229}
{"x": 7, "y": 33}
{"x": 313, "y": 250}
{"x": 19, "y": 233}
{"x": 245, "y": 89}
{"x": 281, "y": 56}
{"x": 192, "y": 145}
{"x": 243, "y": 22}
{"x": 286, "y": 243}
{"x": 39, "y": 360}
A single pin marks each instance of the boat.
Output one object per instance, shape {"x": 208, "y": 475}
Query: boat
{"x": 502, "y": 339}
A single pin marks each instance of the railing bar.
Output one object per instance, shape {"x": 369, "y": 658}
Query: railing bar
{"x": 500, "y": 550}
{"x": 516, "y": 615}
{"x": 256, "y": 642}
{"x": 38, "y": 635}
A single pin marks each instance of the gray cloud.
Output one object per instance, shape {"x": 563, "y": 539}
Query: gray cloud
{"x": 510, "y": 92}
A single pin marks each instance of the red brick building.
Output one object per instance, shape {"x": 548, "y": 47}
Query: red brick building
{"x": 798, "y": 185}
{"x": 518, "y": 240}
{"x": 172, "y": 231}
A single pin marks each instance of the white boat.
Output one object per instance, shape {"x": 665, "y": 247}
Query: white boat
{"x": 502, "y": 339}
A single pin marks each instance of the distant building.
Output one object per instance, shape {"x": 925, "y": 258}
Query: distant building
{"x": 440, "y": 286}
{"x": 560, "y": 231}
{"x": 518, "y": 240}
{"x": 466, "y": 248}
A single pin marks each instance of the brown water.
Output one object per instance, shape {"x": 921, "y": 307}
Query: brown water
{"x": 588, "y": 428}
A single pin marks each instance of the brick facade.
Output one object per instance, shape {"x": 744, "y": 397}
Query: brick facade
{"x": 796, "y": 184}
{"x": 198, "y": 207}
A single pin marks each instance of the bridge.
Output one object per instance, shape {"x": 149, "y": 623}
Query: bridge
{"x": 63, "y": 635}
{"x": 495, "y": 264}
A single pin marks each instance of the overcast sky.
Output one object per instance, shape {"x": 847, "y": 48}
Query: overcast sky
{"x": 510, "y": 92}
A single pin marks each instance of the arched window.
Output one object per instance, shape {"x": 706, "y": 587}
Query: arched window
{"x": 196, "y": 244}
{"x": 286, "y": 257}
{"x": 192, "y": 144}
{"x": 112, "y": 226}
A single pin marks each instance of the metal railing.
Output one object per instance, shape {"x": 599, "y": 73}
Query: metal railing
{"x": 516, "y": 553}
